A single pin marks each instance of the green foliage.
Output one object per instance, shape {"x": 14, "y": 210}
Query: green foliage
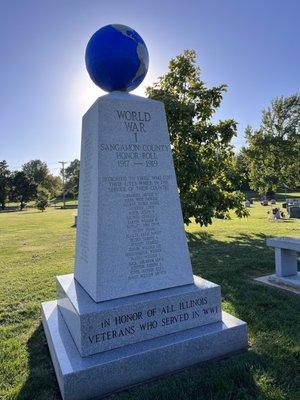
{"x": 273, "y": 151}
{"x": 23, "y": 189}
{"x": 23, "y": 185}
{"x": 242, "y": 168}
{"x": 42, "y": 199}
{"x": 72, "y": 177}
{"x": 5, "y": 183}
{"x": 203, "y": 155}
{"x": 53, "y": 184}
{"x": 36, "y": 171}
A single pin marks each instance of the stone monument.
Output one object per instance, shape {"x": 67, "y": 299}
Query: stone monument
{"x": 133, "y": 310}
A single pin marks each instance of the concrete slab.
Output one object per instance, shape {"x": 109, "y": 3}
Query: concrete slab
{"x": 285, "y": 283}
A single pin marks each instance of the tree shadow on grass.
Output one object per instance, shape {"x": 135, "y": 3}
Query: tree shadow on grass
{"x": 242, "y": 254}
{"x": 67, "y": 207}
{"x": 10, "y": 210}
{"x": 17, "y": 209}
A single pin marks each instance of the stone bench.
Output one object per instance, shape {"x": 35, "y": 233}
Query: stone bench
{"x": 286, "y": 267}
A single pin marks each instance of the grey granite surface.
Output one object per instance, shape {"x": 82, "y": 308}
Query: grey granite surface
{"x": 284, "y": 242}
{"x": 83, "y": 378}
{"x": 98, "y": 327}
{"x": 286, "y": 249}
{"x": 130, "y": 233}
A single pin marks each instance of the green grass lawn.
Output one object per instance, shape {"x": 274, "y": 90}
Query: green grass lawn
{"x": 36, "y": 246}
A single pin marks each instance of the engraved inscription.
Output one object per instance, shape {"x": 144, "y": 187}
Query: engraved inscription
{"x": 135, "y": 154}
{"x": 142, "y": 232}
{"x": 137, "y": 322}
{"x": 134, "y": 121}
{"x": 85, "y": 193}
{"x": 139, "y": 195}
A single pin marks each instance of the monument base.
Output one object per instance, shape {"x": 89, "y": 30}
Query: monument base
{"x": 82, "y": 378}
{"x": 148, "y": 315}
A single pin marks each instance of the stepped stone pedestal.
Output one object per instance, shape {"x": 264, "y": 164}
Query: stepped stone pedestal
{"x": 133, "y": 310}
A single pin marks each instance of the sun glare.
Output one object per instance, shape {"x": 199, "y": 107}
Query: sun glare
{"x": 83, "y": 92}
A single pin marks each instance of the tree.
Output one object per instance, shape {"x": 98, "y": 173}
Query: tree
{"x": 5, "y": 183}
{"x": 242, "y": 170}
{"x": 23, "y": 190}
{"x": 203, "y": 155}
{"x": 273, "y": 151}
{"x": 53, "y": 184}
{"x": 72, "y": 177}
{"x": 42, "y": 198}
{"x": 36, "y": 171}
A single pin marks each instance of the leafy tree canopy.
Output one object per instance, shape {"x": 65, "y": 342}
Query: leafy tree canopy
{"x": 53, "y": 184}
{"x": 5, "y": 183}
{"x": 203, "y": 155}
{"x": 23, "y": 189}
{"x": 72, "y": 177}
{"x": 36, "y": 171}
{"x": 242, "y": 170}
{"x": 273, "y": 151}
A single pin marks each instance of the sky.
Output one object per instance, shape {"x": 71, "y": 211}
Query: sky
{"x": 252, "y": 46}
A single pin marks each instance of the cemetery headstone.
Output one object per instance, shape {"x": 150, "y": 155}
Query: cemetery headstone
{"x": 294, "y": 211}
{"x": 133, "y": 310}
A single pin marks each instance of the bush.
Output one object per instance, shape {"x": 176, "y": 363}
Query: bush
{"x": 42, "y": 199}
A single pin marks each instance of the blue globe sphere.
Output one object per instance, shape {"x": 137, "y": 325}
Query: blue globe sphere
{"x": 116, "y": 58}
